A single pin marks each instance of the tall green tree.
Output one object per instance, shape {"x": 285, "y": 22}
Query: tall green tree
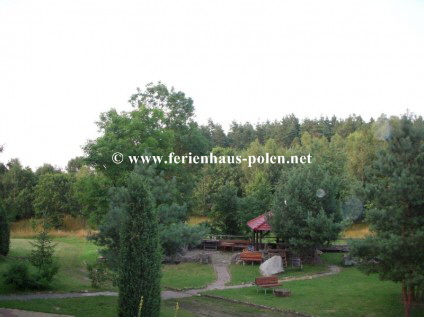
{"x": 396, "y": 210}
{"x": 306, "y": 212}
{"x": 161, "y": 122}
{"x": 18, "y": 190}
{"x": 224, "y": 209}
{"x": 53, "y": 197}
{"x": 90, "y": 191}
{"x": 140, "y": 255}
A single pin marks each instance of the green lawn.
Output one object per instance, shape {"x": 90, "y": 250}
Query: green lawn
{"x": 347, "y": 294}
{"x": 104, "y": 306}
{"x": 241, "y": 274}
{"x": 187, "y": 275}
{"x": 73, "y": 253}
{"x": 107, "y": 307}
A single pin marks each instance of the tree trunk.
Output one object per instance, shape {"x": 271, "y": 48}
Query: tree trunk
{"x": 407, "y": 294}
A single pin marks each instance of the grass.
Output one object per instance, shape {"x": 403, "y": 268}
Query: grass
{"x": 195, "y": 220}
{"x": 104, "y": 306}
{"x": 73, "y": 253}
{"x": 72, "y": 227}
{"x": 347, "y": 294}
{"x": 187, "y": 275}
{"x": 241, "y": 274}
{"x": 356, "y": 231}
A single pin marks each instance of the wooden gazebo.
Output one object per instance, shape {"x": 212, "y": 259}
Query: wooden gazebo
{"x": 260, "y": 228}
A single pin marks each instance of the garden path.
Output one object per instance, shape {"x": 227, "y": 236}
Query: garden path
{"x": 220, "y": 262}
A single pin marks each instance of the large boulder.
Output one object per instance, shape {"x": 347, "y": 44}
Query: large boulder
{"x": 272, "y": 266}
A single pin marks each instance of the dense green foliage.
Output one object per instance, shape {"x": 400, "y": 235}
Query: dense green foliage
{"x": 175, "y": 235}
{"x": 18, "y": 275}
{"x": 140, "y": 253}
{"x": 53, "y": 197}
{"x": 306, "y": 211}
{"x": 4, "y": 232}
{"x": 42, "y": 258}
{"x": 396, "y": 198}
{"x": 38, "y": 271}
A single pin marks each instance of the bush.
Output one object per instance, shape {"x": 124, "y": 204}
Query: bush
{"x": 99, "y": 273}
{"x": 18, "y": 275}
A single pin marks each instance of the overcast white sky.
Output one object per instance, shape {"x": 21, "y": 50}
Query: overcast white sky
{"x": 64, "y": 62}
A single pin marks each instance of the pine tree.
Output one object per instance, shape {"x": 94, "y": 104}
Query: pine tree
{"x": 140, "y": 254}
{"x": 4, "y": 232}
{"x": 396, "y": 216}
{"x": 306, "y": 211}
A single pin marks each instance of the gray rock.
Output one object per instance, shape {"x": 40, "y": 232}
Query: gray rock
{"x": 272, "y": 266}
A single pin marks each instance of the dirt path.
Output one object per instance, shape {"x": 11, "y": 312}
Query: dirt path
{"x": 5, "y": 312}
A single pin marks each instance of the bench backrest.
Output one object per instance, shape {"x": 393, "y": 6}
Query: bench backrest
{"x": 251, "y": 255}
{"x": 266, "y": 280}
{"x": 246, "y": 242}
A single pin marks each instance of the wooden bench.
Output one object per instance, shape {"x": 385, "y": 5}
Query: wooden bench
{"x": 233, "y": 244}
{"x": 251, "y": 256}
{"x": 267, "y": 282}
{"x": 209, "y": 244}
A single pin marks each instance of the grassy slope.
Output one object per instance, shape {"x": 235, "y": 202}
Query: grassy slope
{"x": 73, "y": 253}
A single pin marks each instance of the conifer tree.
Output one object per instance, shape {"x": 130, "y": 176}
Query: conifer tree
{"x": 396, "y": 216}
{"x": 4, "y": 232}
{"x": 140, "y": 254}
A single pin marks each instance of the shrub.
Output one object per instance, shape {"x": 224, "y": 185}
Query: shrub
{"x": 18, "y": 275}
{"x": 99, "y": 273}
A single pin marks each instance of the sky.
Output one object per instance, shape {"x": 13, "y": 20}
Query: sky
{"x": 64, "y": 62}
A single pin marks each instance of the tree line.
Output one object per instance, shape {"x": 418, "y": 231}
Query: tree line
{"x": 361, "y": 171}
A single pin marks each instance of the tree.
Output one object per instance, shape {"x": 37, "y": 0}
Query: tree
{"x": 75, "y": 164}
{"x": 161, "y": 122}
{"x": 175, "y": 235}
{"x": 46, "y": 169}
{"x": 224, "y": 209}
{"x": 53, "y": 197}
{"x": 4, "y": 232}
{"x": 90, "y": 190}
{"x": 305, "y": 209}
{"x": 42, "y": 258}
{"x": 396, "y": 202}
{"x": 18, "y": 190}
{"x": 140, "y": 255}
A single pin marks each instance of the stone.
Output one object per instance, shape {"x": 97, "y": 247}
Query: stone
{"x": 272, "y": 266}
{"x": 348, "y": 260}
{"x": 205, "y": 258}
{"x": 235, "y": 258}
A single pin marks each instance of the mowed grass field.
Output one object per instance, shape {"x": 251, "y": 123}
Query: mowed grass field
{"x": 349, "y": 293}
{"x": 73, "y": 253}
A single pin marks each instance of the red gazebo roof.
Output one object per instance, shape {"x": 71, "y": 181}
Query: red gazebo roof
{"x": 260, "y": 223}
